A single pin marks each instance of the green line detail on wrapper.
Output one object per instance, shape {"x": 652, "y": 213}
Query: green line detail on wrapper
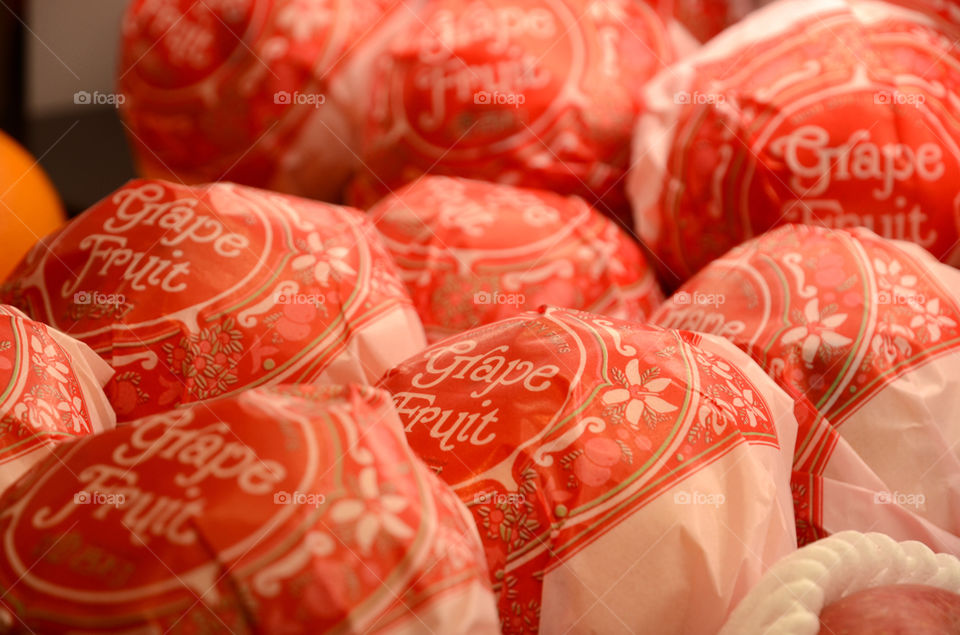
{"x": 801, "y": 445}
{"x": 341, "y": 316}
{"x": 305, "y": 349}
{"x": 40, "y": 435}
{"x": 256, "y": 293}
{"x": 293, "y": 537}
{"x": 564, "y": 512}
{"x": 652, "y": 485}
{"x": 930, "y": 352}
{"x": 674, "y": 431}
{"x": 786, "y": 304}
{"x": 815, "y": 459}
{"x": 404, "y": 566}
{"x": 856, "y": 343}
{"x": 16, "y": 362}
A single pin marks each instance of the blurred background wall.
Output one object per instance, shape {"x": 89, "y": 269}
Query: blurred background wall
{"x": 75, "y": 48}
{"x": 58, "y": 48}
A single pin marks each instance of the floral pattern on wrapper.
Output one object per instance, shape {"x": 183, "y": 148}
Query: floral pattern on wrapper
{"x": 473, "y": 252}
{"x": 837, "y": 318}
{"x": 48, "y": 394}
{"x": 192, "y": 293}
{"x": 812, "y": 112}
{"x": 557, "y": 426}
{"x": 539, "y": 93}
{"x": 258, "y": 92}
{"x": 342, "y": 527}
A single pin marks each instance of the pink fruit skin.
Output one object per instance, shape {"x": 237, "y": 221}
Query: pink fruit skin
{"x": 898, "y": 609}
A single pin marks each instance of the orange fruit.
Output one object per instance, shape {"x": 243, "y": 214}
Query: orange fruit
{"x": 29, "y": 205}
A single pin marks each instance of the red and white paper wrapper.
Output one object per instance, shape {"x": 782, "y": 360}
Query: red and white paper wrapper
{"x": 595, "y": 451}
{"x": 198, "y": 292}
{"x": 865, "y": 334}
{"x": 944, "y": 10}
{"x": 540, "y": 93}
{"x": 473, "y": 252}
{"x": 268, "y": 93}
{"x": 808, "y": 111}
{"x": 294, "y": 509}
{"x": 50, "y": 392}
{"x": 789, "y": 597}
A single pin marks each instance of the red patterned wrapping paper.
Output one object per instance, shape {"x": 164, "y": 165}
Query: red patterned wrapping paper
{"x": 865, "y": 334}
{"x": 50, "y": 392}
{"x": 473, "y": 252}
{"x": 198, "y": 292}
{"x": 944, "y": 10}
{"x": 828, "y": 112}
{"x": 286, "y": 510}
{"x": 269, "y": 93}
{"x": 541, "y": 93}
{"x": 623, "y": 477}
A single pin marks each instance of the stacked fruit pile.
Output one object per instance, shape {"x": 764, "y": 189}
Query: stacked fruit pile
{"x": 232, "y": 403}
